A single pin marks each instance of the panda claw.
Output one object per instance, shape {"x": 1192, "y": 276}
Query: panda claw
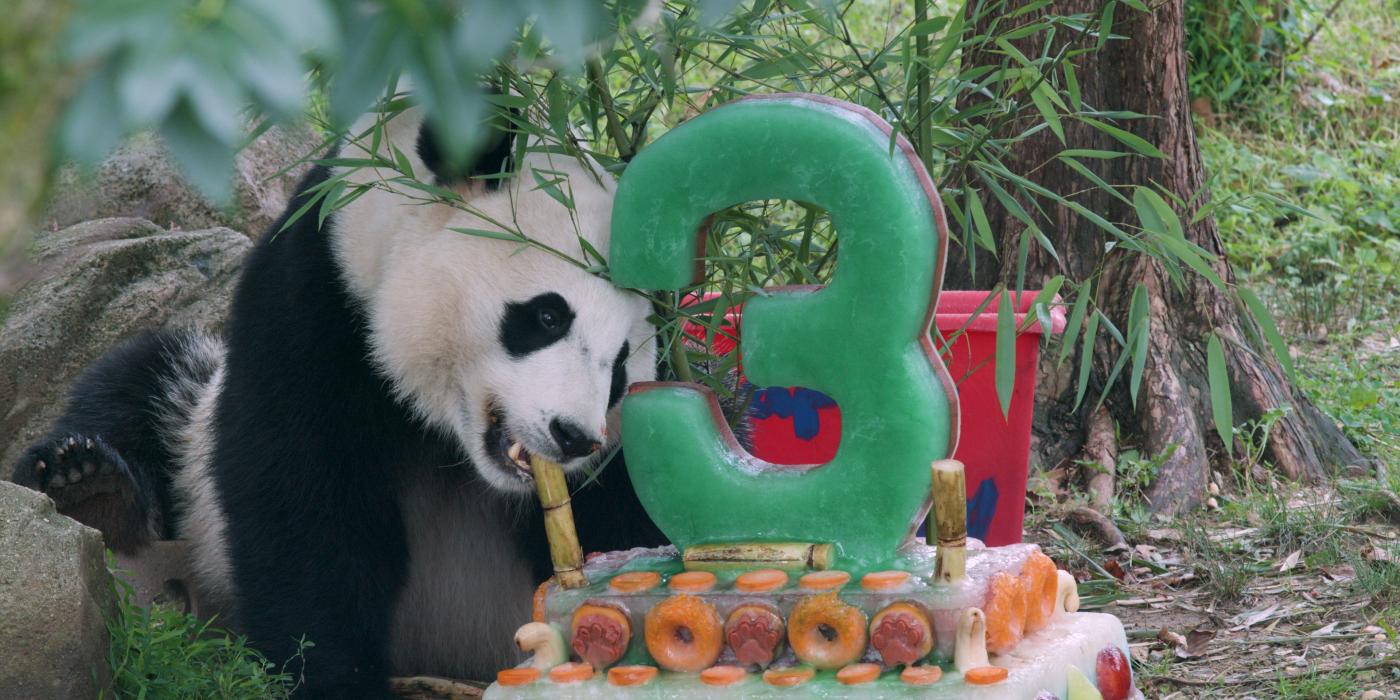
{"x": 74, "y": 476}
{"x": 57, "y": 482}
{"x": 40, "y": 467}
{"x": 90, "y": 444}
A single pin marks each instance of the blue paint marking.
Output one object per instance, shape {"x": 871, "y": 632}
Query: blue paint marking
{"x": 798, "y": 403}
{"x": 981, "y": 508}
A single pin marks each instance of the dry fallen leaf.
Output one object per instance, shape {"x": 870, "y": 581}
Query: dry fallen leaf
{"x": 1290, "y": 562}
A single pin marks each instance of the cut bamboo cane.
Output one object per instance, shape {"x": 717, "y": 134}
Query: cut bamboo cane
{"x": 779, "y": 555}
{"x": 564, "y": 549}
{"x": 950, "y": 515}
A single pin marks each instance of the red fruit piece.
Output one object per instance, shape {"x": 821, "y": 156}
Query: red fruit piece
{"x": 1114, "y": 674}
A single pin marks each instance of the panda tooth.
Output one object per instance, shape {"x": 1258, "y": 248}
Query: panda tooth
{"x": 514, "y": 452}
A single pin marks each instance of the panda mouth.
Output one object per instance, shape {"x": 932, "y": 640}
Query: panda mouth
{"x": 508, "y": 452}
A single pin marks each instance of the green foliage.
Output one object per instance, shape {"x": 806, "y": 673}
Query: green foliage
{"x": 163, "y": 654}
{"x": 1237, "y": 47}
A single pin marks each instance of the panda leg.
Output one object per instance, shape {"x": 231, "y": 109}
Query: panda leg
{"x": 91, "y": 483}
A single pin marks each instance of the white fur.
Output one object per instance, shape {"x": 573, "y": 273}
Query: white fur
{"x": 435, "y": 298}
{"x": 203, "y": 523}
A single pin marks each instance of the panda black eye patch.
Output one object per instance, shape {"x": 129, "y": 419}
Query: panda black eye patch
{"x": 535, "y": 324}
{"x": 619, "y": 374}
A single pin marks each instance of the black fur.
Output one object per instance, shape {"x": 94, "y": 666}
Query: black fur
{"x": 535, "y": 324}
{"x": 110, "y": 437}
{"x": 308, "y": 456}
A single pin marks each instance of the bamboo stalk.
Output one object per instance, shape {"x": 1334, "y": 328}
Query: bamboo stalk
{"x": 780, "y": 555}
{"x": 950, "y": 515}
{"x": 564, "y": 549}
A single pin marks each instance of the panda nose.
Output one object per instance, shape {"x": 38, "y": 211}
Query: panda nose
{"x": 572, "y": 440}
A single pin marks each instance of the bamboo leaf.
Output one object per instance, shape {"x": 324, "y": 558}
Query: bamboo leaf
{"x": 1271, "y": 334}
{"x": 981, "y": 227}
{"x": 1072, "y": 85}
{"x": 1220, "y": 407}
{"x": 1183, "y": 251}
{"x": 1129, "y": 139}
{"x": 1086, "y": 359}
{"x": 1139, "y": 321}
{"x": 486, "y": 233}
{"x": 1047, "y": 111}
{"x": 1006, "y": 352}
{"x": 1076, "y": 317}
{"x": 1093, "y": 177}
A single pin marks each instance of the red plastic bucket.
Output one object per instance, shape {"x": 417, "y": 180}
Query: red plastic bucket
{"x": 796, "y": 425}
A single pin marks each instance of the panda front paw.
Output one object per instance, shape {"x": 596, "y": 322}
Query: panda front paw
{"x": 91, "y": 483}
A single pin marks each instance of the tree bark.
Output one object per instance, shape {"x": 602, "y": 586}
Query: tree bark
{"x": 1144, "y": 72}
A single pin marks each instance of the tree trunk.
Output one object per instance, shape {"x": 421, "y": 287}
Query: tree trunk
{"x": 1145, "y": 72}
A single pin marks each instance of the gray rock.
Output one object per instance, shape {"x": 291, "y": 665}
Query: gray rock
{"x": 92, "y": 285}
{"x": 55, "y": 595}
{"x": 140, "y": 180}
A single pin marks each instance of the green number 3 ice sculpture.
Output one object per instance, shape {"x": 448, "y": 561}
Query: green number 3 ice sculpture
{"x": 863, "y": 339}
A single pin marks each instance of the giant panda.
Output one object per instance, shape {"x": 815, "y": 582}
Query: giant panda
{"x": 350, "y": 461}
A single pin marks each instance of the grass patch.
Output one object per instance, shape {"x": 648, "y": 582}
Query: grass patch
{"x": 158, "y": 653}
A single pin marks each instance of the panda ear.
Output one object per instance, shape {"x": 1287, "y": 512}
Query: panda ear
{"x": 489, "y": 163}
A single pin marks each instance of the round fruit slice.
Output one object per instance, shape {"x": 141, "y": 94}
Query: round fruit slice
{"x": 684, "y": 633}
{"x": 692, "y": 582}
{"x": 824, "y": 580}
{"x": 761, "y": 580}
{"x": 883, "y": 580}
{"x": 631, "y": 675}
{"x": 856, "y": 674}
{"x": 986, "y": 675}
{"x": 921, "y": 675}
{"x": 524, "y": 675}
{"x": 722, "y": 675}
{"x": 635, "y": 581}
{"x": 788, "y": 677}
{"x": 826, "y": 632}
{"x": 570, "y": 673}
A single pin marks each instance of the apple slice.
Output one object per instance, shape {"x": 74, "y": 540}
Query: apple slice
{"x": 1080, "y": 687}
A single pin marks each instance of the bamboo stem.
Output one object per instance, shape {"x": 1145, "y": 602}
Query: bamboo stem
{"x": 564, "y": 549}
{"x": 742, "y": 555}
{"x": 950, "y": 515}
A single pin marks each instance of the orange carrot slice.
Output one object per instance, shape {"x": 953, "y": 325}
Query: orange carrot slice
{"x": 761, "y": 580}
{"x": 524, "y": 675}
{"x": 883, "y": 580}
{"x": 921, "y": 675}
{"x": 824, "y": 580}
{"x": 722, "y": 675}
{"x": 537, "y": 602}
{"x": 788, "y": 677}
{"x": 631, "y": 675}
{"x": 986, "y": 675}
{"x": 635, "y": 581}
{"x": 1006, "y": 612}
{"x": 692, "y": 582}
{"x": 570, "y": 672}
{"x": 855, "y": 674}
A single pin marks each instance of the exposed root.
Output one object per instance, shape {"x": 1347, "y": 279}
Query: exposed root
{"x": 1101, "y": 448}
{"x": 429, "y": 688}
{"x": 1096, "y": 526}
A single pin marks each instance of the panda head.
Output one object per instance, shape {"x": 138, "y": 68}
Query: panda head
{"x": 505, "y": 347}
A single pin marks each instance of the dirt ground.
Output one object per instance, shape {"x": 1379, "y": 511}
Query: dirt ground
{"x": 1269, "y": 596}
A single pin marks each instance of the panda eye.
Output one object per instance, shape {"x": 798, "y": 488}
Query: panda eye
{"x": 549, "y": 319}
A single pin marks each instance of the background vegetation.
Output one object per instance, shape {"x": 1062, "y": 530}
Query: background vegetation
{"x": 1297, "y": 109}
